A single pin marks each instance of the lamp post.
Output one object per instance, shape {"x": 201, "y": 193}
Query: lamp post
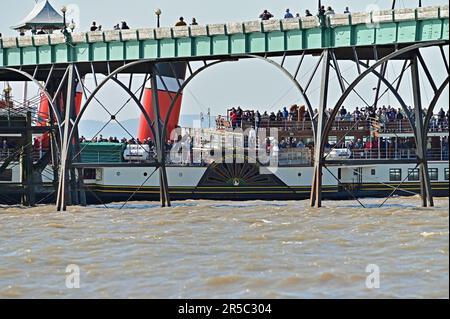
{"x": 209, "y": 117}
{"x": 64, "y": 11}
{"x": 158, "y": 17}
{"x": 72, "y": 26}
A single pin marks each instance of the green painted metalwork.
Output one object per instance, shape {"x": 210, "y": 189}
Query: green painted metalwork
{"x": 271, "y": 37}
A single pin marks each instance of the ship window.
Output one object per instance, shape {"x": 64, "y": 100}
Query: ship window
{"x": 348, "y": 139}
{"x": 332, "y": 139}
{"x": 413, "y": 174}
{"x": 434, "y": 174}
{"x": 446, "y": 171}
{"x": 6, "y": 175}
{"x": 373, "y": 172}
{"x": 395, "y": 175}
{"x": 98, "y": 174}
{"x": 89, "y": 173}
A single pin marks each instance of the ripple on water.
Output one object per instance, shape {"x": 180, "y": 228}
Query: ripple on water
{"x": 226, "y": 249}
{"x": 55, "y": 225}
{"x": 434, "y": 234}
{"x": 223, "y": 280}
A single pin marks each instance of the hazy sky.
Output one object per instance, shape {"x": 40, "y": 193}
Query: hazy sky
{"x": 250, "y": 84}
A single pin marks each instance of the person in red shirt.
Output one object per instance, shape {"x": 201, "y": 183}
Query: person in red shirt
{"x": 233, "y": 117}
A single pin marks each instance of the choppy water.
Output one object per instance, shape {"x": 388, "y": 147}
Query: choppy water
{"x": 227, "y": 250}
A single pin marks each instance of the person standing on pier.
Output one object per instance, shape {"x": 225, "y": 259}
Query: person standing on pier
{"x": 266, "y": 15}
{"x": 94, "y": 26}
{"x": 288, "y": 14}
{"x": 181, "y": 23}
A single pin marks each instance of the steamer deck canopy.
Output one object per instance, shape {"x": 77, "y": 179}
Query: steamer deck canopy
{"x": 43, "y": 16}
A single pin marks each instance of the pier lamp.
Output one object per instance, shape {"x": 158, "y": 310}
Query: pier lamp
{"x": 64, "y": 11}
{"x": 158, "y": 17}
{"x": 72, "y": 26}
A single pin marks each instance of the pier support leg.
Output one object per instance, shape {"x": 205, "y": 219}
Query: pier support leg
{"x": 160, "y": 143}
{"x": 54, "y": 141}
{"x": 63, "y": 194}
{"x": 55, "y": 163}
{"x": 316, "y": 189}
{"x": 73, "y": 187}
{"x": 80, "y": 186}
{"x": 28, "y": 197}
{"x": 77, "y": 180}
{"x": 421, "y": 142}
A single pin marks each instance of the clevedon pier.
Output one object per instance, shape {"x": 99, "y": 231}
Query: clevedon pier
{"x": 58, "y": 63}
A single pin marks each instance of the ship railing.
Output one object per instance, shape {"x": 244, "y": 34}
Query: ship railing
{"x": 292, "y": 125}
{"x": 6, "y": 153}
{"x": 352, "y": 125}
{"x": 439, "y": 125}
{"x": 403, "y": 126}
{"x": 15, "y": 153}
{"x": 295, "y": 156}
{"x": 288, "y": 125}
{"x": 340, "y": 124}
{"x": 285, "y": 125}
{"x": 434, "y": 154}
{"x": 285, "y": 156}
{"x": 38, "y": 153}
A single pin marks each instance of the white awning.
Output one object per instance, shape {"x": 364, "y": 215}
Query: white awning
{"x": 43, "y": 15}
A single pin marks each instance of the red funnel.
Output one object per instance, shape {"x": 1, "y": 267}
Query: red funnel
{"x": 172, "y": 78}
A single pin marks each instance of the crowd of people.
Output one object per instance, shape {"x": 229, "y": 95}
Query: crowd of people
{"x": 120, "y": 26}
{"x": 124, "y": 25}
{"x": 372, "y": 147}
{"x": 238, "y": 118}
{"x": 385, "y": 116}
{"x": 323, "y": 11}
{"x": 265, "y": 15}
